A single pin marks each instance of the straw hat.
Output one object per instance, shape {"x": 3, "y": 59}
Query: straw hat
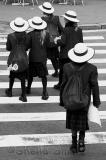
{"x": 19, "y": 24}
{"x": 81, "y": 53}
{"x": 71, "y": 16}
{"x": 37, "y": 23}
{"x": 47, "y": 8}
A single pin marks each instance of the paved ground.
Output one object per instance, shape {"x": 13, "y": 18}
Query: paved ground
{"x": 92, "y": 14}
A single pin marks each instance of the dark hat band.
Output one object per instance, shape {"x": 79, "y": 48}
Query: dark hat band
{"x": 81, "y": 54}
{"x": 46, "y": 8}
{"x": 19, "y": 25}
{"x": 70, "y": 16}
{"x": 37, "y": 24}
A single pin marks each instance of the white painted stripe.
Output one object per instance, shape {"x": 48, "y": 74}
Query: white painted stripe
{"x": 95, "y": 60}
{"x": 96, "y": 30}
{"x": 46, "y": 116}
{"x": 93, "y": 37}
{"x": 49, "y": 139}
{"x": 88, "y": 44}
{"x": 96, "y": 44}
{"x": 103, "y": 51}
{"x": 50, "y": 84}
{"x": 4, "y": 39}
{"x": 37, "y": 99}
{"x": 6, "y": 72}
{"x": 34, "y": 84}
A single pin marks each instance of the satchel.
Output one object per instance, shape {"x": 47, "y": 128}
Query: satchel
{"x": 73, "y": 96}
{"x": 17, "y": 60}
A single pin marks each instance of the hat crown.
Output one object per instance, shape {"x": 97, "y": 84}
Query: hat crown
{"x": 71, "y": 13}
{"x": 37, "y": 20}
{"x": 80, "y": 48}
{"x": 47, "y": 5}
{"x": 19, "y": 21}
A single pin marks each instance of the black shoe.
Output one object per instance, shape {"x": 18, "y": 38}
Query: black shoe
{"x": 45, "y": 95}
{"x": 57, "y": 86}
{"x": 28, "y": 90}
{"x": 23, "y": 98}
{"x": 8, "y": 92}
{"x": 73, "y": 148}
{"x": 81, "y": 146}
{"x": 55, "y": 74}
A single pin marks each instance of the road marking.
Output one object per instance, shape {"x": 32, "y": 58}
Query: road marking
{"x": 6, "y": 72}
{"x": 4, "y": 39}
{"x": 49, "y": 139}
{"x": 50, "y": 84}
{"x": 37, "y": 99}
{"x": 88, "y": 44}
{"x": 100, "y": 51}
{"x": 46, "y": 116}
{"x": 96, "y": 30}
{"x": 95, "y": 60}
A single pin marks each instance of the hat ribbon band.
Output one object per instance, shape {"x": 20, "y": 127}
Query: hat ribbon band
{"x": 46, "y": 8}
{"x": 70, "y": 16}
{"x": 18, "y": 25}
{"x": 81, "y": 54}
{"x": 38, "y": 24}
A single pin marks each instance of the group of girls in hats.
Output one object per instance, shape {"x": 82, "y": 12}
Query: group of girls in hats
{"x": 73, "y": 51}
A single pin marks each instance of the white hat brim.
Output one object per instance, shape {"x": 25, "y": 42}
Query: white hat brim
{"x": 81, "y": 59}
{"x": 19, "y": 29}
{"x": 38, "y": 27}
{"x": 71, "y": 19}
{"x": 45, "y": 10}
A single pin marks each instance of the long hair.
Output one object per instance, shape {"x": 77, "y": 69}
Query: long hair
{"x": 42, "y": 36}
{"x": 72, "y": 24}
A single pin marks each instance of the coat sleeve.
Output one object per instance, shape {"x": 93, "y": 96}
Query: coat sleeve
{"x": 95, "y": 87}
{"x": 64, "y": 81}
{"x": 62, "y": 40}
{"x": 60, "y": 27}
{"x": 8, "y": 44}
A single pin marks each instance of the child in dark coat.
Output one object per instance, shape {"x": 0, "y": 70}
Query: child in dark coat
{"x": 77, "y": 121}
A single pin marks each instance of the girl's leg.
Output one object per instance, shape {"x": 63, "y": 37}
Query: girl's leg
{"x": 23, "y": 95}
{"x": 44, "y": 93}
{"x": 73, "y": 147}
{"x": 9, "y": 90}
{"x": 28, "y": 89}
{"x": 81, "y": 144}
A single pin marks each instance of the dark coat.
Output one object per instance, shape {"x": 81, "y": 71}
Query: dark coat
{"x": 69, "y": 39}
{"x": 89, "y": 76}
{"x": 38, "y": 51}
{"x": 11, "y": 40}
{"x": 79, "y": 120}
{"x": 54, "y": 28}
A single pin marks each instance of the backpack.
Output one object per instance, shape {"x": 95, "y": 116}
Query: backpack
{"x": 73, "y": 96}
{"x": 17, "y": 60}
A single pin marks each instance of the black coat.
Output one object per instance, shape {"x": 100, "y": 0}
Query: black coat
{"x": 38, "y": 51}
{"x": 89, "y": 76}
{"x": 54, "y": 28}
{"x": 69, "y": 39}
{"x": 79, "y": 120}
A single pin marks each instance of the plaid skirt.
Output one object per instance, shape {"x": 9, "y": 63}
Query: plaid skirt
{"x": 77, "y": 120}
{"x": 38, "y": 69}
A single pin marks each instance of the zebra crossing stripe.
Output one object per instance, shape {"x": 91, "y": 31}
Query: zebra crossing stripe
{"x": 96, "y": 30}
{"x": 4, "y": 39}
{"x": 95, "y": 60}
{"x": 49, "y": 139}
{"x": 5, "y": 53}
{"x": 50, "y": 84}
{"x": 6, "y": 72}
{"x": 88, "y": 44}
{"x": 37, "y": 100}
{"x": 46, "y": 116}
